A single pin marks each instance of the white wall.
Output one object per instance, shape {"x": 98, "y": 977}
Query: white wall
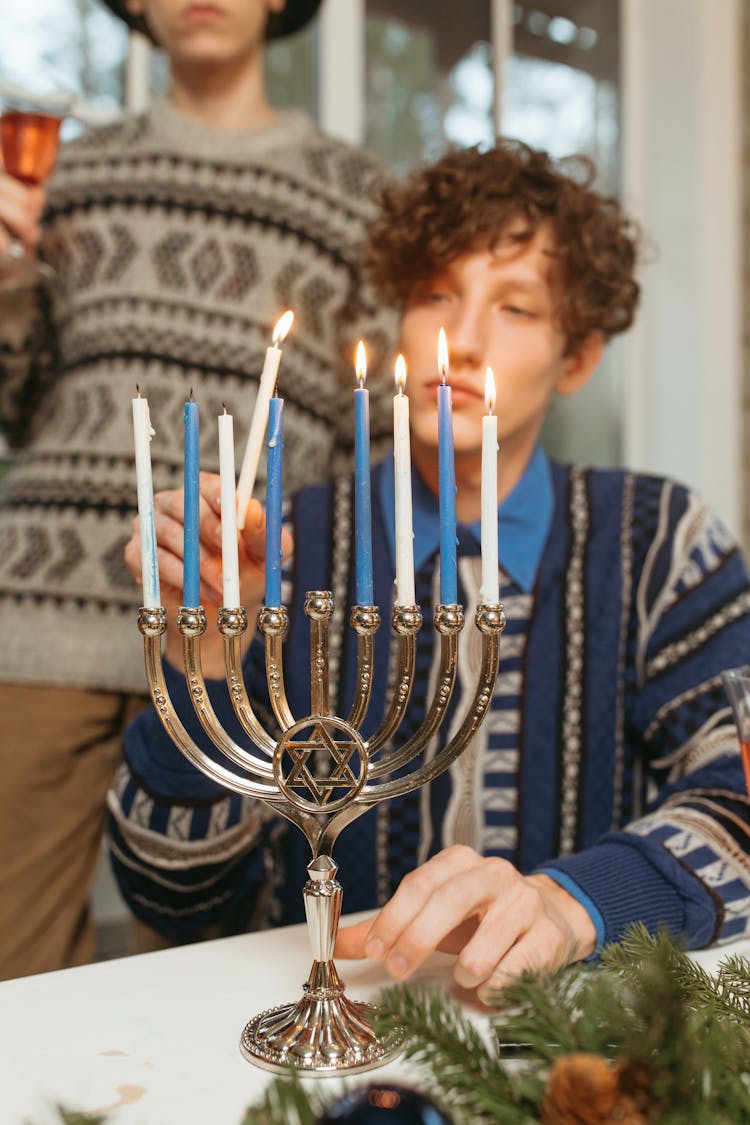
{"x": 682, "y": 150}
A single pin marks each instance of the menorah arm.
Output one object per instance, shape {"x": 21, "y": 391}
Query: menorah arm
{"x": 273, "y": 622}
{"x": 449, "y": 620}
{"x": 490, "y": 620}
{"x": 232, "y": 623}
{"x": 407, "y": 621}
{"x": 365, "y": 620}
{"x": 192, "y": 625}
{"x": 152, "y": 624}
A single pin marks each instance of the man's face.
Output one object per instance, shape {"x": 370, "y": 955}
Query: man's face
{"x": 207, "y": 31}
{"x": 498, "y": 309}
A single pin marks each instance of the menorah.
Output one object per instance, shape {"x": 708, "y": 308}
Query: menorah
{"x": 321, "y": 774}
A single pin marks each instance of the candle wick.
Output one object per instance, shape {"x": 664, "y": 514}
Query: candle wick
{"x": 138, "y": 389}
{"x": 225, "y": 407}
{"x": 190, "y": 396}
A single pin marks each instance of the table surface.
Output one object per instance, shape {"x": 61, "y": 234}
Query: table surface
{"x": 153, "y": 1039}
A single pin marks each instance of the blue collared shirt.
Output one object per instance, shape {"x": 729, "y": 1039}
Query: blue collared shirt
{"x": 524, "y": 519}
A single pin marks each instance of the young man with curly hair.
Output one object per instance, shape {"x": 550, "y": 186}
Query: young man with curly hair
{"x": 605, "y": 785}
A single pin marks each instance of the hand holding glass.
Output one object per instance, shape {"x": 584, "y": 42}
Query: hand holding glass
{"x": 29, "y": 137}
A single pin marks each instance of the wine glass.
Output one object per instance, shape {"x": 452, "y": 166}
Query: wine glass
{"x": 737, "y": 686}
{"x": 29, "y": 138}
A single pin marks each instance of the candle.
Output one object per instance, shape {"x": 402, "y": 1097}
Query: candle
{"x": 362, "y": 507}
{"x": 191, "y": 537}
{"x": 402, "y": 475}
{"x": 230, "y": 565}
{"x": 447, "y": 481}
{"x": 273, "y": 502}
{"x": 142, "y": 434}
{"x": 490, "y": 575}
{"x": 266, "y": 386}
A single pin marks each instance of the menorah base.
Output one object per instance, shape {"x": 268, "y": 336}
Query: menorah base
{"x": 323, "y": 1034}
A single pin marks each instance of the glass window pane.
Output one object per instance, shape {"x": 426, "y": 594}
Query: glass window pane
{"x": 72, "y": 45}
{"x": 428, "y": 75}
{"x": 562, "y": 94}
{"x": 292, "y": 71}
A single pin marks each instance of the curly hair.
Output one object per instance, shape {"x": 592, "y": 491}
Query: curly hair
{"x": 471, "y": 200}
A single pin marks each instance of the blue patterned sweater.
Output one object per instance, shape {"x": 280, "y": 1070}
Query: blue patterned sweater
{"x": 609, "y": 757}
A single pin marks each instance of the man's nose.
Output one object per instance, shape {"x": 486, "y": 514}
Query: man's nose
{"x": 467, "y": 335}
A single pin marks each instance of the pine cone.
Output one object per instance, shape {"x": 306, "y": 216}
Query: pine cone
{"x": 585, "y": 1090}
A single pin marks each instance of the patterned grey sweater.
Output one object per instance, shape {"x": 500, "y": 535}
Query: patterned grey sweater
{"x": 177, "y": 247}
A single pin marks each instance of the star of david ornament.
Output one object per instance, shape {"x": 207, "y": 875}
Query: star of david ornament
{"x": 320, "y": 764}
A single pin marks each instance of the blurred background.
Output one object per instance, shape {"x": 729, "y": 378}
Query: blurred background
{"x": 654, "y": 90}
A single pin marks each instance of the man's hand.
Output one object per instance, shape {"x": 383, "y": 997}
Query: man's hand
{"x": 20, "y": 211}
{"x": 169, "y": 523}
{"x": 498, "y": 922}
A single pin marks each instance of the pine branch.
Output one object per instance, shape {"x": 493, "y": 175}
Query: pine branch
{"x": 287, "y": 1102}
{"x": 463, "y": 1068}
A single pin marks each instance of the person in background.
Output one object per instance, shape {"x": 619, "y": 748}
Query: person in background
{"x": 179, "y": 236}
{"x": 605, "y": 786}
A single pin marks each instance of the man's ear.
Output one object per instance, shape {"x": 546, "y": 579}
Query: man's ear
{"x": 581, "y": 365}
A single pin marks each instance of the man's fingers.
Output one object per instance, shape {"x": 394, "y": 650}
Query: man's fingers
{"x": 455, "y": 901}
{"x": 350, "y": 942}
{"x": 515, "y": 910}
{"x": 408, "y": 904}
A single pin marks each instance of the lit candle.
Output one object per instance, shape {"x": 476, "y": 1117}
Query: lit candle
{"x": 249, "y": 468}
{"x": 142, "y": 434}
{"x": 191, "y": 587}
{"x": 402, "y": 475}
{"x": 490, "y": 574}
{"x": 447, "y": 481}
{"x": 273, "y": 502}
{"x": 230, "y": 565}
{"x": 362, "y": 507}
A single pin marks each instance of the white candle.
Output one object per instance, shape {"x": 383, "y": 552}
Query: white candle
{"x": 402, "y": 475}
{"x": 142, "y": 433}
{"x": 250, "y": 460}
{"x": 490, "y": 573}
{"x": 230, "y": 566}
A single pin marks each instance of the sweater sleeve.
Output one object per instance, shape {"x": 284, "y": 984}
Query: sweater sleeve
{"x": 684, "y": 865}
{"x": 192, "y": 858}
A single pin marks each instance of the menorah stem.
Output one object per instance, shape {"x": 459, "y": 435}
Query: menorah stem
{"x": 323, "y": 895}
{"x": 324, "y": 1033}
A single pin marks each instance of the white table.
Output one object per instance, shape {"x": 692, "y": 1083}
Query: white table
{"x": 153, "y": 1039}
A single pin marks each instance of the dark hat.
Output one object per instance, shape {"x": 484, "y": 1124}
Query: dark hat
{"x": 295, "y": 14}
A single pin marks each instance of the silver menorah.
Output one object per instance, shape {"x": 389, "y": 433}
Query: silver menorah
{"x": 321, "y": 775}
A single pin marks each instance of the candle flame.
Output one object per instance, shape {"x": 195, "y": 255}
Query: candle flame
{"x": 443, "y": 364}
{"x": 400, "y": 373}
{"x": 489, "y": 390}
{"x": 282, "y": 326}
{"x": 360, "y": 363}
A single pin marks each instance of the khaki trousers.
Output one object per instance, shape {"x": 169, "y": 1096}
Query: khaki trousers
{"x": 59, "y": 748}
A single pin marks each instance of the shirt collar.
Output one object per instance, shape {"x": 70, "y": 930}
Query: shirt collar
{"x": 524, "y": 519}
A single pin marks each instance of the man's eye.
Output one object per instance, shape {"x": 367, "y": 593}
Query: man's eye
{"x": 517, "y": 310}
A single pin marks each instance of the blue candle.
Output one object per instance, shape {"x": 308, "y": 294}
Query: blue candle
{"x": 192, "y": 578}
{"x": 362, "y": 507}
{"x": 447, "y": 482}
{"x": 273, "y": 501}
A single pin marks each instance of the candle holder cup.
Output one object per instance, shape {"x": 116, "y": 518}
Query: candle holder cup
{"x": 321, "y": 774}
